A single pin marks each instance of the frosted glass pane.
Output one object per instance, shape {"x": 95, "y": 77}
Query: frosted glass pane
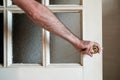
{"x": 1, "y": 2}
{"x": 1, "y": 38}
{"x": 27, "y": 40}
{"x": 64, "y": 1}
{"x": 62, "y": 51}
{"x": 40, "y": 1}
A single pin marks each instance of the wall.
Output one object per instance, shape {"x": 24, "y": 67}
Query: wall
{"x": 111, "y": 38}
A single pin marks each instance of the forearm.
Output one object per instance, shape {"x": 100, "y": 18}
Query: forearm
{"x": 43, "y": 16}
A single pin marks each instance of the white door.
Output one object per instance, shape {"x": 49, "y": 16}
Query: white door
{"x": 30, "y": 52}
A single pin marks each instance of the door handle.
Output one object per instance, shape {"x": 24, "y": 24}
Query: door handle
{"x": 95, "y": 49}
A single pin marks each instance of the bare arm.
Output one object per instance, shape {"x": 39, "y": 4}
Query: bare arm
{"x": 43, "y": 16}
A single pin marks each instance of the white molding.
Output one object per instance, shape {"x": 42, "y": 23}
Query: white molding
{"x": 8, "y": 2}
{"x": 1, "y": 8}
{"x": 43, "y": 49}
{"x": 21, "y": 65}
{"x": 47, "y": 37}
{"x": 81, "y": 34}
{"x": 5, "y": 38}
{"x": 9, "y": 38}
{"x": 46, "y": 2}
{"x": 15, "y": 9}
{"x": 65, "y": 8}
{"x": 12, "y": 6}
{"x": 43, "y": 2}
{"x": 64, "y": 65}
{"x": 4, "y": 3}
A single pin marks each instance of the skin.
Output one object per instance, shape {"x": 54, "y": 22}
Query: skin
{"x": 41, "y": 15}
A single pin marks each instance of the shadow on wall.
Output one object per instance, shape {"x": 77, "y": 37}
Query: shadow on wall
{"x": 111, "y": 39}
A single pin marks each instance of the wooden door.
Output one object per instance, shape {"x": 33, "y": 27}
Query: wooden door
{"x": 31, "y": 52}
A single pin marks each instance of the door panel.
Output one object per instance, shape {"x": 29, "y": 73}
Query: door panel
{"x": 29, "y": 37}
{"x": 41, "y": 74}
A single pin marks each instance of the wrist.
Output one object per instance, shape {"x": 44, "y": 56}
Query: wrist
{"x": 78, "y": 44}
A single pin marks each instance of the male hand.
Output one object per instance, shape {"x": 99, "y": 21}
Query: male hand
{"x": 87, "y": 47}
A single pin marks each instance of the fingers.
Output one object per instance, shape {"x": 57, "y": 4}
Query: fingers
{"x": 89, "y": 49}
{"x": 88, "y": 53}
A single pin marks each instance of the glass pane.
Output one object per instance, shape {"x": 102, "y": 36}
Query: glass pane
{"x": 61, "y": 50}
{"x": 1, "y": 38}
{"x": 1, "y": 2}
{"x": 40, "y": 1}
{"x": 65, "y": 2}
{"x": 27, "y": 40}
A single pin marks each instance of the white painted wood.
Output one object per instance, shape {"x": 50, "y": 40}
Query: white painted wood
{"x": 43, "y": 2}
{"x": 5, "y": 39}
{"x": 9, "y": 38}
{"x": 1, "y": 6}
{"x": 46, "y": 2}
{"x": 8, "y": 2}
{"x": 65, "y": 8}
{"x": 21, "y": 65}
{"x": 47, "y": 47}
{"x": 92, "y": 30}
{"x": 64, "y": 65}
{"x": 12, "y": 6}
{"x": 44, "y": 49}
{"x": 4, "y": 3}
{"x": 40, "y": 74}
